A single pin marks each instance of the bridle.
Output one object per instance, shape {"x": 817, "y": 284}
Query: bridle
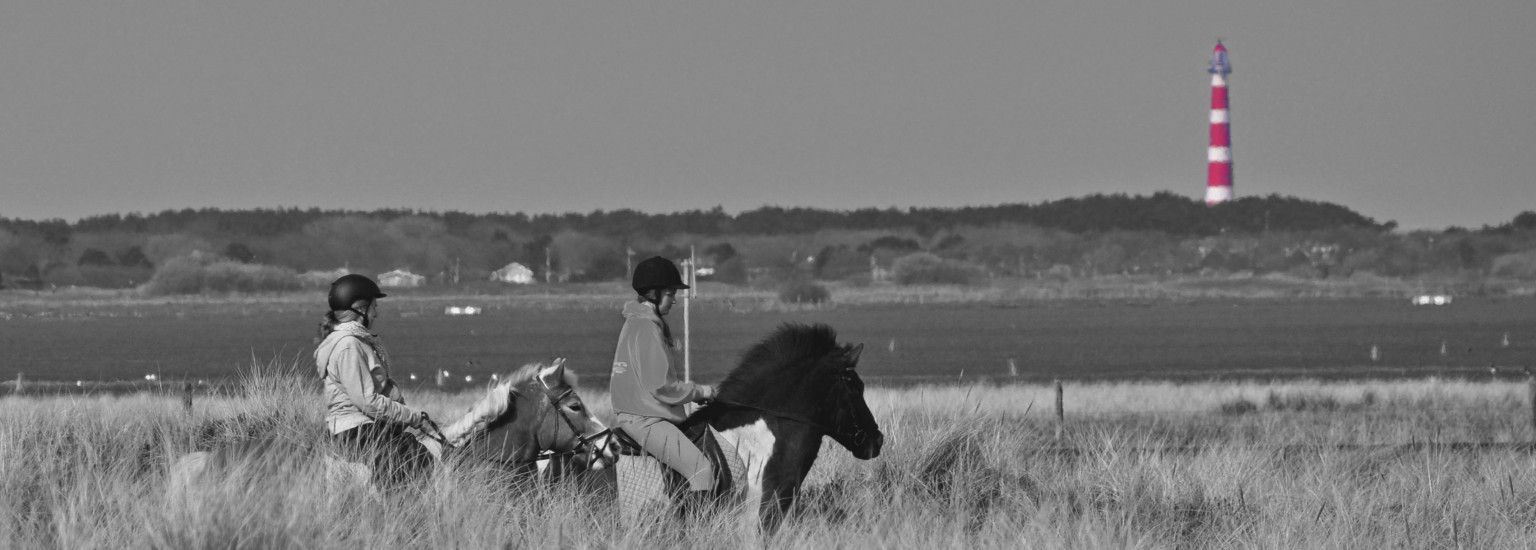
{"x": 579, "y": 444}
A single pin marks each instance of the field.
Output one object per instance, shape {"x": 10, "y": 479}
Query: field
{"x": 1190, "y": 422}
{"x": 1301, "y": 464}
{"x": 938, "y": 338}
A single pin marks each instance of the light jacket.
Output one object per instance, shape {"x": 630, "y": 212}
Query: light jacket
{"x": 643, "y": 383}
{"x": 355, "y": 369}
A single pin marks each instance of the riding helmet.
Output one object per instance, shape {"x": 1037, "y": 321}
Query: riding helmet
{"x": 351, "y": 288}
{"x": 657, "y": 272}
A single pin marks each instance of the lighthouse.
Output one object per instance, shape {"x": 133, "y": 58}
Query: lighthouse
{"x": 1218, "y": 181}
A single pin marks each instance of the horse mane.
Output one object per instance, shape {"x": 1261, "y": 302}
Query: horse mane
{"x": 790, "y": 353}
{"x": 495, "y": 403}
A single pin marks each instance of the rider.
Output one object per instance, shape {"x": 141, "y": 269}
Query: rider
{"x": 366, "y": 412}
{"x": 647, "y": 396}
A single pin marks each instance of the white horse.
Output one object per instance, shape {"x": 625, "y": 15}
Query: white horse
{"x": 532, "y": 415}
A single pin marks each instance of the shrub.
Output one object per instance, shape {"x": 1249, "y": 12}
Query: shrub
{"x": 200, "y": 273}
{"x": 801, "y": 292}
{"x": 924, "y": 268}
{"x": 1520, "y": 265}
{"x": 732, "y": 271}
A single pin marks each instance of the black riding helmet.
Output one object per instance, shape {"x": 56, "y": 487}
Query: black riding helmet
{"x": 655, "y": 273}
{"x": 349, "y": 289}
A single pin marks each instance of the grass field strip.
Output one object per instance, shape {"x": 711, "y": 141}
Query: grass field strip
{"x": 1418, "y": 463}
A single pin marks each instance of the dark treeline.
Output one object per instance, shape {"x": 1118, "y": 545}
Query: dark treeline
{"x": 198, "y": 250}
{"x": 1163, "y": 212}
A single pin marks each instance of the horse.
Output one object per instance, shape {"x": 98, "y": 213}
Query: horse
{"x": 771, "y": 412}
{"x": 531, "y": 416}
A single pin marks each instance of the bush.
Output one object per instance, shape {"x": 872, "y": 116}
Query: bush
{"x": 923, "y": 268}
{"x": 732, "y": 271}
{"x": 804, "y": 292}
{"x": 199, "y": 273}
{"x": 1520, "y": 265}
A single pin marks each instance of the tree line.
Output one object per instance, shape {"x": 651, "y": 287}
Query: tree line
{"x": 1087, "y": 236}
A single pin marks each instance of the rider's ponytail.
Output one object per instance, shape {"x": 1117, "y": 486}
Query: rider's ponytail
{"x": 327, "y": 325}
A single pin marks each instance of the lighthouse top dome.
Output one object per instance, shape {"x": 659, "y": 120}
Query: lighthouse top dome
{"x": 1219, "y": 62}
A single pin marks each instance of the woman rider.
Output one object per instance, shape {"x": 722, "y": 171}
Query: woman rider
{"x": 366, "y": 412}
{"x": 647, "y": 396}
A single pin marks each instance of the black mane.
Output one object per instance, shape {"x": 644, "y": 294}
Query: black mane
{"x": 788, "y": 355}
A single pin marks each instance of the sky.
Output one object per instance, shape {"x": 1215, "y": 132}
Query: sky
{"x": 1417, "y": 111}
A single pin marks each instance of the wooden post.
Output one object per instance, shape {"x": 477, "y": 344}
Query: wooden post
{"x": 186, "y": 397}
{"x": 1530, "y": 385}
{"x": 18, "y": 383}
{"x": 1061, "y": 417}
{"x": 690, "y": 278}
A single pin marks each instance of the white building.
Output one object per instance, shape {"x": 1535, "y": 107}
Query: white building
{"x": 400, "y": 278}
{"x": 514, "y": 273}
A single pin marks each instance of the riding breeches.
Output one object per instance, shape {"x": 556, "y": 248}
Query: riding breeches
{"x": 393, "y": 454}
{"x": 664, "y": 441}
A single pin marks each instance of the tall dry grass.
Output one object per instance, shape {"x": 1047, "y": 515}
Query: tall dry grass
{"x": 1144, "y": 465}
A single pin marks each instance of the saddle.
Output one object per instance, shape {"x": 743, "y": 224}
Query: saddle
{"x": 644, "y": 482}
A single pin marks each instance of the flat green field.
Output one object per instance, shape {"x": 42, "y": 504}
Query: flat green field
{"x": 907, "y": 342}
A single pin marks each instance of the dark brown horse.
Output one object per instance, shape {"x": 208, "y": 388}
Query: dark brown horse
{"x": 789, "y": 391}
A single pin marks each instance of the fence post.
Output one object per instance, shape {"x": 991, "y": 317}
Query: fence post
{"x": 18, "y": 383}
{"x": 1060, "y": 410}
{"x": 186, "y": 397}
{"x": 1530, "y": 385}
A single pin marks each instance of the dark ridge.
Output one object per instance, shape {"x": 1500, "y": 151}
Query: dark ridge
{"x": 1166, "y": 212}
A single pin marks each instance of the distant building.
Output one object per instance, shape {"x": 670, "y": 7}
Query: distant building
{"x": 400, "y": 278}
{"x": 514, "y": 273}
{"x": 318, "y": 278}
{"x": 876, "y": 273}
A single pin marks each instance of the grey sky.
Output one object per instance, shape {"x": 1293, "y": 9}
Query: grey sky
{"x": 1414, "y": 110}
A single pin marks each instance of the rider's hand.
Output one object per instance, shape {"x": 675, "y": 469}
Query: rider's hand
{"x": 706, "y": 393}
{"x": 421, "y": 422}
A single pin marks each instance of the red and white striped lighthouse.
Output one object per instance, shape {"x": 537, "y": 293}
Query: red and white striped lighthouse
{"x": 1218, "y": 181}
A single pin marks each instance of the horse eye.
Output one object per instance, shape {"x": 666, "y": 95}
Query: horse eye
{"x": 575, "y": 407}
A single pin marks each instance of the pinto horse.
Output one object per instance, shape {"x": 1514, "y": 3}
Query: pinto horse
{"x": 532, "y": 415}
{"x": 771, "y": 412}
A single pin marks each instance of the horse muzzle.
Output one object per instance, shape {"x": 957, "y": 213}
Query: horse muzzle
{"x": 866, "y": 446}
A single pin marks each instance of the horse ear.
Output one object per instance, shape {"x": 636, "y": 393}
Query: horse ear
{"x": 853, "y": 353}
{"x": 553, "y": 376}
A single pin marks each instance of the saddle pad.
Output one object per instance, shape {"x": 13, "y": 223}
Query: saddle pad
{"x": 640, "y": 487}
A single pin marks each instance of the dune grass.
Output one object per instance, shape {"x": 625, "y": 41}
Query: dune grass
{"x": 1152, "y": 465}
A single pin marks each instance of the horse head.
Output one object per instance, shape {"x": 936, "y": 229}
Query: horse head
{"x": 852, "y": 424}
{"x": 534, "y": 414}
